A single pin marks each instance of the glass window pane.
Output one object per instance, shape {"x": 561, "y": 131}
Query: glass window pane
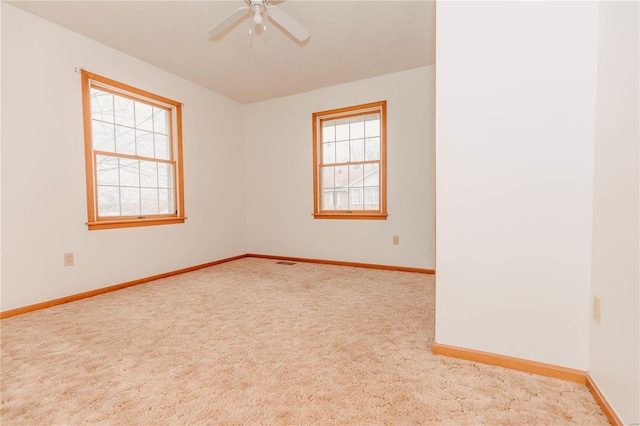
{"x": 341, "y": 196}
{"x": 161, "y": 145}
{"x": 148, "y": 174}
{"x": 371, "y": 198}
{"x": 103, "y": 136}
{"x": 372, "y": 126}
{"x": 144, "y": 116}
{"x": 356, "y": 128}
{"x": 124, "y": 111}
{"x": 342, "y": 129}
{"x": 328, "y": 131}
{"x": 356, "y": 173}
{"x": 355, "y": 181}
{"x": 357, "y": 149}
{"x": 342, "y": 152}
{"x": 328, "y": 199}
{"x": 149, "y": 198}
{"x": 160, "y": 121}
{"x": 107, "y": 170}
{"x": 125, "y": 140}
{"x": 129, "y": 172}
{"x": 371, "y": 175}
{"x": 101, "y": 105}
{"x": 328, "y": 177}
{"x": 130, "y": 201}
{"x": 108, "y": 201}
{"x": 328, "y": 153}
{"x": 342, "y": 199}
{"x": 355, "y": 199}
{"x": 165, "y": 175}
{"x": 144, "y": 143}
{"x": 372, "y": 148}
{"x": 165, "y": 201}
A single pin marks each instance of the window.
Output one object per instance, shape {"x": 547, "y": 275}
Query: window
{"x": 349, "y": 162}
{"x": 133, "y": 155}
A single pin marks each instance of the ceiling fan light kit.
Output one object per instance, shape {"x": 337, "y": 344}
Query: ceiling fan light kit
{"x": 260, "y": 11}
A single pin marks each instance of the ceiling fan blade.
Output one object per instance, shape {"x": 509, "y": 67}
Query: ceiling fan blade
{"x": 228, "y": 21}
{"x": 289, "y": 24}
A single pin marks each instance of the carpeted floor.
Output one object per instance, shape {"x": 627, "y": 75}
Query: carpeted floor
{"x": 252, "y": 341}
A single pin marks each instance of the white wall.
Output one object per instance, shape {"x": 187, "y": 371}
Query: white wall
{"x": 43, "y": 176}
{"x": 515, "y": 117}
{"x": 278, "y": 136}
{"x": 614, "y": 353}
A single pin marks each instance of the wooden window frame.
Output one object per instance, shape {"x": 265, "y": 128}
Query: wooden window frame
{"x": 352, "y": 111}
{"x": 174, "y": 108}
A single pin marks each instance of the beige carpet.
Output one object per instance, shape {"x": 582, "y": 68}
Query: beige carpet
{"x": 252, "y": 342}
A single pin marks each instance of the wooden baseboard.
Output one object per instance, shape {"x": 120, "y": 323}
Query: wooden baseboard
{"x": 79, "y": 296}
{"x": 512, "y": 363}
{"x": 534, "y": 367}
{"x": 602, "y": 402}
{"x": 340, "y": 263}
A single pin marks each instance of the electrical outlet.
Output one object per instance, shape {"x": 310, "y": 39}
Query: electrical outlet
{"x": 68, "y": 259}
{"x": 596, "y": 309}
{"x": 396, "y": 240}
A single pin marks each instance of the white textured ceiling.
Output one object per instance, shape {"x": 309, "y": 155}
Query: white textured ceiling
{"x": 350, "y": 40}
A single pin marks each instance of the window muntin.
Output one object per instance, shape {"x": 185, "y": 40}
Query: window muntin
{"x": 350, "y": 162}
{"x": 133, "y": 155}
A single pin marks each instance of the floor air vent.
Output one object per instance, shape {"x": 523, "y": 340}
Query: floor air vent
{"x": 285, "y": 263}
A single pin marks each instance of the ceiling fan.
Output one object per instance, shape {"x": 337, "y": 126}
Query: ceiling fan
{"x": 260, "y": 10}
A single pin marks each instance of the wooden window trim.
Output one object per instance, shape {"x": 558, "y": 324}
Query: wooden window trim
{"x": 130, "y": 92}
{"x": 346, "y": 112}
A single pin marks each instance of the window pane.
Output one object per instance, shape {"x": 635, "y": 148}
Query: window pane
{"x": 328, "y": 153}
{"x": 144, "y": 116}
{"x": 342, "y": 129}
{"x": 125, "y": 140}
{"x": 165, "y": 175}
{"x": 342, "y": 199}
{"x": 165, "y": 202}
{"x": 328, "y": 177}
{"x": 107, "y": 170}
{"x": 357, "y": 128}
{"x": 148, "y": 174}
{"x": 160, "y": 121}
{"x": 342, "y": 176}
{"x": 130, "y": 201}
{"x": 356, "y": 173}
{"x": 129, "y": 172}
{"x": 371, "y": 175}
{"x": 328, "y": 131}
{"x": 342, "y": 152}
{"x": 108, "y": 201}
{"x": 372, "y": 126}
{"x": 161, "y": 144}
{"x": 149, "y": 199}
{"x": 357, "y": 150}
{"x": 144, "y": 143}
{"x": 371, "y": 198}
{"x": 372, "y": 148}
{"x": 341, "y": 195}
{"x": 101, "y": 105}
{"x": 355, "y": 200}
{"x": 328, "y": 199}
{"x": 355, "y": 181}
{"x": 103, "y": 136}
{"x": 124, "y": 111}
